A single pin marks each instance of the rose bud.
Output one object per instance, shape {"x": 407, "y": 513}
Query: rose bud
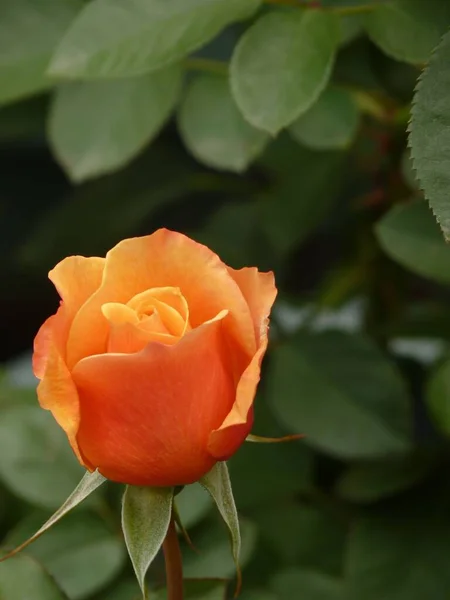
{"x": 151, "y": 363}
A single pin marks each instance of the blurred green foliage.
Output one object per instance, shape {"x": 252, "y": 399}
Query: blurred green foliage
{"x": 276, "y": 133}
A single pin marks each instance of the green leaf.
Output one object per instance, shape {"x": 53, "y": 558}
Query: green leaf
{"x": 214, "y": 558}
{"x": 408, "y": 30}
{"x": 331, "y": 123}
{"x": 193, "y": 504}
{"x": 438, "y": 397}
{"x": 81, "y": 553}
{"x": 22, "y": 578}
{"x": 372, "y": 481}
{"x": 214, "y": 130}
{"x": 29, "y": 32}
{"x": 146, "y": 516}
{"x": 408, "y": 171}
{"x": 342, "y": 393}
{"x": 429, "y": 137}
{"x": 305, "y": 186}
{"x": 281, "y": 65}
{"x": 409, "y": 235}
{"x": 350, "y": 27}
{"x": 111, "y": 38}
{"x": 402, "y": 555}
{"x": 309, "y": 585}
{"x": 97, "y": 127}
{"x": 217, "y": 483}
{"x": 36, "y": 461}
{"x": 88, "y": 485}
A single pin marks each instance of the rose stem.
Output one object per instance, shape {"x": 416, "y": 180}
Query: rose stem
{"x": 174, "y": 565}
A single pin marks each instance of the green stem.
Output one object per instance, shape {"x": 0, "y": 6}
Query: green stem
{"x": 174, "y": 565}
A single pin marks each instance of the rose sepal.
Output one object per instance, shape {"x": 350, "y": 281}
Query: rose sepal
{"x": 146, "y": 515}
{"x": 218, "y": 484}
{"x": 89, "y": 483}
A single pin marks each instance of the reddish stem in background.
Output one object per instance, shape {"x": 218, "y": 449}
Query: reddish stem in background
{"x": 174, "y": 564}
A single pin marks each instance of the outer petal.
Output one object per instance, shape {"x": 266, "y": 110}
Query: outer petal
{"x": 163, "y": 259}
{"x": 260, "y": 292}
{"x": 146, "y": 417}
{"x": 57, "y": 393}
{"x": 76, "y": 278}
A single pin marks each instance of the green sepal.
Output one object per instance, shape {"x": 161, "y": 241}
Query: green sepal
{"x": 89, "y": 483}
{"x": 146, "y": 513}
{"x": 217, "y": 483}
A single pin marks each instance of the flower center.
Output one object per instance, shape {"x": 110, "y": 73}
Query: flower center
{"x": 156, "y": 315}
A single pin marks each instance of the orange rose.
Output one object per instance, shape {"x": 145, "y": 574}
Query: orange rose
{"x": 151, "y": 363}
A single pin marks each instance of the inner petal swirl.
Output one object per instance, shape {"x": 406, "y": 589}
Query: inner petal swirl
{"x": 156, "y": 315}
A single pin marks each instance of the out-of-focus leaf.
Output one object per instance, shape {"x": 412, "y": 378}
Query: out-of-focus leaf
{"x": 125, "y": 590}
{"x": 235, "y": 232}
{"x": 305, "y": 535}
{"x": 305, "y": 186}
{"x": 80, "y": 552}
{"x": 354, "y": 4}
{"x": 97, "y": 127}
{"x": 408, "y": 30}
{"x": 22, "y": 578}
{"x": 341, "y": 392}
{"x": 146, "y": 514}
{"x": 214, "y": 130}
{"x": 430, "y": 136}
{"x": 410, "y": 235}
{"x": 257, "y": 595}
{"x": 371, "y": 481}
{"x": 281, "y": 64}
{"x": 309, "y": 585}
{"x": 261, "y": 473}
{"x": 111, "y": 38}
{"x": 29, "y": 31}
{"x": 331, "y": 123}
{"x": 438, "y": 397}
{"x": 214, "y": 558}
{"x": 193, "y": 504}
{"x": 350, "y": 27}
{"x": 36, "y": 462}
{"x": 206, "y": 589}
{"x": 400, "y": 556}
{"x": 12, "y": 396}
{"x": 420, "y": 320}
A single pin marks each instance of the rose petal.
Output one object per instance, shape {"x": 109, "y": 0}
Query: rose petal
{"x": 57, "y": 393}
{"x": 76, "y": 278}
{"x": 163, "y": 259}
{"x": 260, "y": 292}
{"x": 146, "y": 417}
{"x": 128, "y": 334}
{"x": 170, "y": 304}
{"x": 224, "y": 441}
